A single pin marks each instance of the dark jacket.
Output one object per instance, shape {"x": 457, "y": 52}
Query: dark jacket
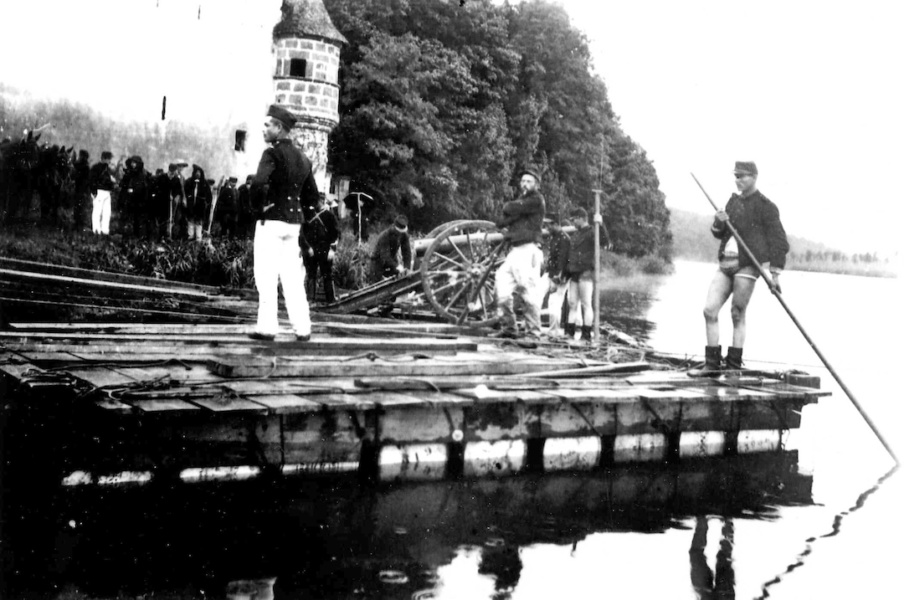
{"x": 757, "y": 222}
{"x": 133, "y": 189}
{"x": 198, "y": 196}
{"x": 581, "y": 251}
{"x": 559, "y": 243}
{"x": 101, "y": 178}
{"x": 159, "y": 196}
{"x": 227, "y": 202}
{"x": 82, "y": 177}
{"x": 524, "y": 218}
{"x": 387, "y": 248}
{"x": 284, "y": 182}
{"x": 321, "y": 228}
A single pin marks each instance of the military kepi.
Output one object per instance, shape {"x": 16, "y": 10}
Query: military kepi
{"x": 530, "y": 170}
{"x": 281, "y": 114}
{"x": 745, "y": 168}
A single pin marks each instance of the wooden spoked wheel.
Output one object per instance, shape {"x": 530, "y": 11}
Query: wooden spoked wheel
{"x": 458, "y": 272}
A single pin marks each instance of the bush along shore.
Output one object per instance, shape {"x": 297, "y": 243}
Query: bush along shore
{"x": 222, "y": 262}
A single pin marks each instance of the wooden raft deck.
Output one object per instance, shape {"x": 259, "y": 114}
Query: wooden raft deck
{"x": 131, "y": 403}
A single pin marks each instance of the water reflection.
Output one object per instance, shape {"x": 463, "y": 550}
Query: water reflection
{"x": 625, "y": 311}
{"x": 338, "y": 538}
{"x": 707, "y": 585}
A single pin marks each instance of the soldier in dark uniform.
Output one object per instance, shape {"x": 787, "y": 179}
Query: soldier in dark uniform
{"x": 227, "y": 209}
{"x": 82, "y": 189}
{"x": 158, "y": 204}
{"x": 321, "y": 229}
{"x": 246, "y": 212}
{"x": 133, "y": 196}
{"x": 284, "y": 182}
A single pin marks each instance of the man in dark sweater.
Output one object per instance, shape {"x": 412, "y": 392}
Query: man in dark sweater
{"x": 520, "y": 273}
{"x": 384, "y": 261}
{"x": 756, "y": 219}
{"x": 321, "y": 228}
{"x": 579, "y": 270}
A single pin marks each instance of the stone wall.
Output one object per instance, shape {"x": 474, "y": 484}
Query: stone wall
{"x": 315, "y": 95}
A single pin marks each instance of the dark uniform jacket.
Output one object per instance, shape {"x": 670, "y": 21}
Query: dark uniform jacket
{"x": 757, "y": 222}
{"x": 321, "y": 228}
{"x": 581, "y": 251}
{"x": 559, "y": 243}
{"x": 283, "y": 184}
{"x": 101, "y": 178}
{"x": 524, "y": 218}
{"x": 198, "y": 196}
{"x": 133, "y": 189}
{"x": 387, "y": 247}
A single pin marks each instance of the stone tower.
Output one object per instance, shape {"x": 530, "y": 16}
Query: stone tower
{"x": 306, "y": 46}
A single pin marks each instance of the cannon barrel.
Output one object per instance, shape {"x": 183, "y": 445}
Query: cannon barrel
{"x": 419, "y": 247}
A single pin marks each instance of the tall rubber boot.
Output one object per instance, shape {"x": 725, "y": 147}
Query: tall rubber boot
{"x": 733, "y": 358}
{"x": 713, "y": 358}
{"x": 586, "y": 333}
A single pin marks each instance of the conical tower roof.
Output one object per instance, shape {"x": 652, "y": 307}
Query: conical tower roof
{"x": 306, "y": 18}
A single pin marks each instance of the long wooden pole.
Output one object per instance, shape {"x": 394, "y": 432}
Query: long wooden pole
{"x": 596, "y": 267}
{"x": 778, "y": 295}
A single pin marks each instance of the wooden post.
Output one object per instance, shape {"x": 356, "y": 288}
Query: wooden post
{"x": 596, "y": 267}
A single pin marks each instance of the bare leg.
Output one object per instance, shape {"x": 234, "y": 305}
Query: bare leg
{"x": 719, "y": 290}
{"x": 740, "y": 298}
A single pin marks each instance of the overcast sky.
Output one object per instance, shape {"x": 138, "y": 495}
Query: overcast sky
{"x": 812, "y": 91}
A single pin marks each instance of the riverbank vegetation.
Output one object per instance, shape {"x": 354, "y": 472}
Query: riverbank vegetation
{"x": 439, "y": 108}
{"x": 221, "y": 262}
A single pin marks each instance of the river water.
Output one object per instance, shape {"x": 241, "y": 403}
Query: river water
{"x": 811, "y": 522}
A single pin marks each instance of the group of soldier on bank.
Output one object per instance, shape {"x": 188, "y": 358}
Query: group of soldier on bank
{"x": 166, "y": 204}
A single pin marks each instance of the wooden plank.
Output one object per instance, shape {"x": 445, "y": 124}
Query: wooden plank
{"x": 224, "y": 403}
{"x": 731, "y": 393}
{"x": 266, "y": 387}
{"x": 394, "y": 399}
{"x": 285, "y": 343}
{"x": 610, "y": 396}
{"x": 484, "y": 394}
{"x": 280, "y": 404}
{"x": 47, "y": 268}
{"x": 130, "y": 287}
{"x": 129, "y": 350}
{"x": 343, "y": 401}
{"x": 668, "y": 394}
{"x": 361, "y": 368}
{"x": 161, "y": 406}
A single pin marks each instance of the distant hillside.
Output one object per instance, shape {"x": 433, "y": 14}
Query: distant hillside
{"x": 691, "y": 238}
{"x": 691, "y": 241}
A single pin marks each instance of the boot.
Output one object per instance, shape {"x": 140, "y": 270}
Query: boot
{"x": 586, "y": 333}
{"x": 733, "y": 358}
{"x": 713, "y": 357}
{"x": 569, "y": 330}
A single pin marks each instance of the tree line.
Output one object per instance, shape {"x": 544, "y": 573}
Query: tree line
{"x": 441, "y": 102}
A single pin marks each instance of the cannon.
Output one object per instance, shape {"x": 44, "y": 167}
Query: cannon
{"x": 454, "y": 272}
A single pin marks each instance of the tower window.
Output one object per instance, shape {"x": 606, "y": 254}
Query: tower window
{"x": 298, "y": 67}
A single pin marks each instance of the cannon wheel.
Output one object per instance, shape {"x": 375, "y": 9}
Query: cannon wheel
{"x": 458, "y": 279}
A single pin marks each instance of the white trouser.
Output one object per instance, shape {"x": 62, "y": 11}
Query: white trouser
{"x": 100, "y": 212}
{"x": 519, "y": 275}
{"x": 554, "y": 304}
{"x": 196, "y": 230}
{"x": 277, "y": 260}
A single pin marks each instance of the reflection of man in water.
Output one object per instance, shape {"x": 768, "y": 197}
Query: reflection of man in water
{"x": 250, "y": 589}
{"x": 707, "y": 587}
{"x": 504, "y": 563}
